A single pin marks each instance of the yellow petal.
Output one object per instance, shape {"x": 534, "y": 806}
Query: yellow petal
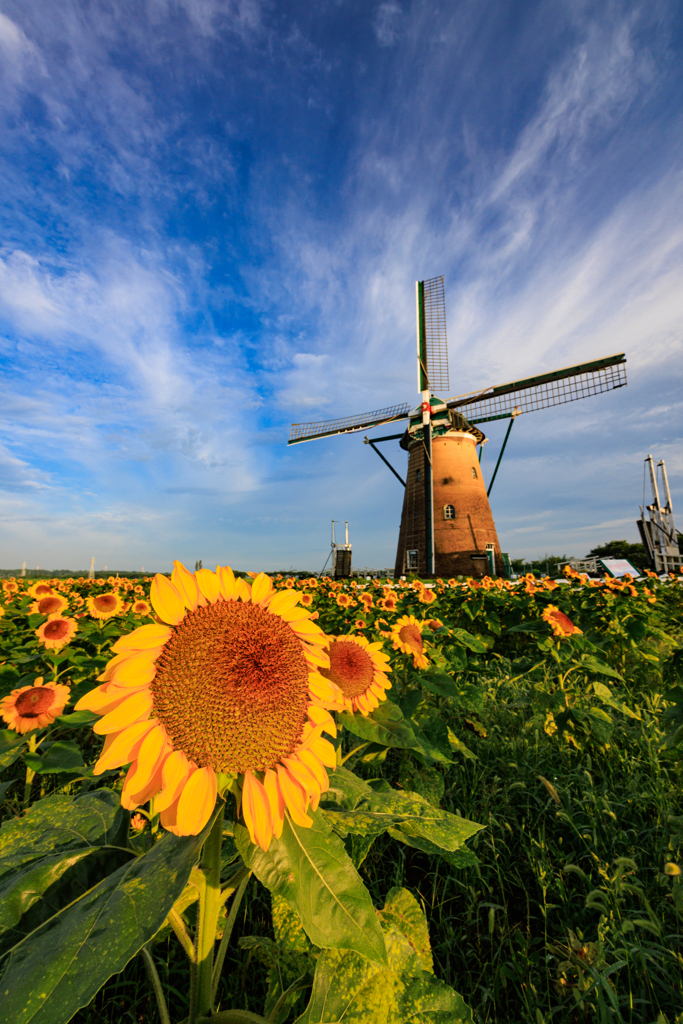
{"x": 261, "y": 588}
{"x": 276, "y": 802}
{"x": 153, "y": 748}
{"x": 166, "y": 601}
{"x": 196, "y": 802}
{"x": 138, "y": 670}
{"x": 321, "y": 717}
{"x": 303, "y": 775}
{"x": 133, "y": 709}
{"x": 295, "y": 614}
{"x": 174, "y": 774}
{"x": 208, "y": 584}
{"x": 102, "y": 699}
{"x": 314, "y": 765}
{"x": 185, "y": 583}
{"x": 226, "y": 580}
{"x": 316, "y": 657}
{"x": 283, "y": 601}
{"x": 307, "y": 626}
{"x": 256, "y": 811}
{"x": 324, "y": 751}
{"x": 242, "y": 590}
{"x": 129, "y": 799}
{"x": 122, "y": 748}
{"x": 296, "y": 800}
{"x": 152, "y": 635}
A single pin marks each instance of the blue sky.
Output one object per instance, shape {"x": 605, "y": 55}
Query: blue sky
{"x": 213, "y": 216}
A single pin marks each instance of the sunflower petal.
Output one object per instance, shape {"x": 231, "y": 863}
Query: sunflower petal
{"x": 261, "y": 588}
{"x": 129, "y": 799}
{"x": 321, "y": 717}
{"x": 256, "y": 811}
{"x": 208, "y": 584}
{"x": 122, "y": 748}
{"x": 276, "y": 801}
{"x": 242, "y": 590}
{"x": 154, "y": 749}
{"x": 283, "y": 601}
{"x": 186, "y": 584}
{"x": 102, "y": 699}
{"x": 295, "y": 797}
{"x": 138, "y": 670}
{"x": 324, "y": 751}
{"x": 166, "y": 601}
{"x": 316, "y": 767}
{"x": 175, "y": 772}
{"x": 226, "y": 580}
{"x": 133, "y": 709}
{"x": 152, "y": 635}
{"x": 196, "y": 802}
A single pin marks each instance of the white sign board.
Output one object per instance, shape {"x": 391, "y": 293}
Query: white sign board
{"x": 618, "y": 567}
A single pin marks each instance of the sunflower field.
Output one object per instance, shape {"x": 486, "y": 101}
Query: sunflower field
{"x": 239, "y": 798}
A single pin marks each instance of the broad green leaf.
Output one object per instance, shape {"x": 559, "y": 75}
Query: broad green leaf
{"x": 424, "y": 821}
{"x": 60, "y": 966}
{"x": 350, "y": 989}
{"x": 595, "y": 665}
{"x": 10, "y": 747}
{"x": 4, "y": 786}
{"x": 465, "y": 639}
{"x": 439, "y": 682}
{"x": 62, "y": 756}
{"x": 347, "y": 790}
{"x": 60, "y": 824}
{"x": 636, "y": 629}
{"x": 403, "y": 914}
{"x": 360, "y": 823}
{"x": 457, "y": 745}
{"x": 310, "y": 868}
{"x": 385, "y": 725}
{"x": 56, "y": 833}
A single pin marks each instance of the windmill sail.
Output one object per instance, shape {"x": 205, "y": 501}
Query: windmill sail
{"x": 347, "y": 424}
{"x": 432, "y": 343}
{"x": 543, "y": 391}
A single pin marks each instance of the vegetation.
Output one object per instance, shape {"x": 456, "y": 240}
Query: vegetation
{"x": 543, "y": 720}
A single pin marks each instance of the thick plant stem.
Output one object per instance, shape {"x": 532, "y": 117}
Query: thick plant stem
{"x": 178, "y": 925}
{"x": 29, "y": 774}
{"x": 209, "y": 909}
{"x": 155, "y": 982}
{"x": 227, "y": 932}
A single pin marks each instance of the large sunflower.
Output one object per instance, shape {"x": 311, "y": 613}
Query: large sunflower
{"x": 34, "y": 707}
{"x": 227, "y": 683}
{"x": 359, "y": 669}
{"x": 561, "y": 624}
{"x": 406, "y": 634}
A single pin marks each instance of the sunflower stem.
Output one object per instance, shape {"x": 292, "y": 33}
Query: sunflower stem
{"x": 155, "y": 982}
{"x": 209, "y": 909}
{"x": 30, "y": 775}
{"x": 227, "y": 932}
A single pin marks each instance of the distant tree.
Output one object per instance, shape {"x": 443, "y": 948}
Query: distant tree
{"x": 548, "y": 564}
{"x": 635, "y": 553}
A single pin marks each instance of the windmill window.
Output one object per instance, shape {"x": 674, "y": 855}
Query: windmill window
{"x": 411, "y": 561}
{"x": 449, "y": 512}
{"x": 417, "y": 476}
{"x": 474, "y": 472}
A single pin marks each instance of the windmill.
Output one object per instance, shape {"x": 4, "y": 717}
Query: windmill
{"x": 447, "y": 527}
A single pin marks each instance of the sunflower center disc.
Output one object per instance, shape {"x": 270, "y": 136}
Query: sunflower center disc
{"x": 351, "y": 668}
{"x": 105, "y": 602}
{"x": 231, "y": 687}
{"x": 35, "y": 701}
{"x": 411, "y": 636}
{"x": 55, "y": 629}
{"x": 47, "y": 605}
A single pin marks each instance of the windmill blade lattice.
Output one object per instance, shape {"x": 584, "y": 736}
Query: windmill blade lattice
{"x": 543, "y": 391}
{"x": 347, "y": 424}
{"x": 432, "y": 339}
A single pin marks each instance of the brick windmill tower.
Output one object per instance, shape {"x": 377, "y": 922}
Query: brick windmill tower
{"x": 447, "y": 526}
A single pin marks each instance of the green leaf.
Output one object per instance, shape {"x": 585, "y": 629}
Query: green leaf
{"x": 10, "y": 747}
{"x": 636, "y": 629}
{"x": 594, "y": 665}
{"x": 310, "y": 868}
{"x": 78, "y": 718}
{"x": 360, "y": 823}
{"x": 385, "y": 725}
{"x": 424, "y": 821}
{"x": 38, "y": 848}
{"x": 347, "y": 790}
{"x": 465, "y": 639}
{"x": 439, "y": 682}
{"x": 602, "y": 691}
{"x": 62, "y": 756}
{"x": 352, "y": 990}
{"x": 457, "y": 745}
{"x": 60, "y": 966}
